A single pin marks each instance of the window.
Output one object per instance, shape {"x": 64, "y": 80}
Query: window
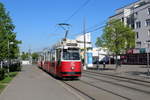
{"x": 148, "y": 11}
{"x": 58, "y": 54}
{"x": 53, "y": 56}
{"x": 71, "y": 54}
{"x": 148, "y": 22}
{"x": 148, "y": 33}
{"x": 137, "y": 35}
{"x": 138, "y": 24}
{"x": 136, "y": 13}
{"x": 138, "y": 44}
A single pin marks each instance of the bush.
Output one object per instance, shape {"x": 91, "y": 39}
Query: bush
{"x": 2, "y": 73}
{"x": 15, "y": 67}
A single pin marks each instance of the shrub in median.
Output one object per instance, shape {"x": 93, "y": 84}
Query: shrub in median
{"x": 2, "y": 73}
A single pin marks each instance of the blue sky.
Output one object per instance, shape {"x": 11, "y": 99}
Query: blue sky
{"x": 36, "y": 20}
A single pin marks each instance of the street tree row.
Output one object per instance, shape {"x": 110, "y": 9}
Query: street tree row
{"x": 8, "y": 43}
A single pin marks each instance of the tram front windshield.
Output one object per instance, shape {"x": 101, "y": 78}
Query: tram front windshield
{"x": 71, "y": 54}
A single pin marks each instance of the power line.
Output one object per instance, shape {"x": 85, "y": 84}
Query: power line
{"x": 93, "y": 28}
{"x": 97, "y": 26}
{"x": 100, "y": 27}
{"x": 76, "y": 11}
{"x": 73, "y": 14}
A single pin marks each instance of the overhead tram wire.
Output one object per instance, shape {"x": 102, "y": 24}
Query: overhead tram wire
{"x": 93, "y": 28}
{"x": 73, "y": 14}
{"x": 96, "y": 29}
{"x": 95, "y": 25}
{"x": 76, "y": 11}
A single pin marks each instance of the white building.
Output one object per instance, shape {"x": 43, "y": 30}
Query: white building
{"x": 80, "y": 40}
{"x": 137, "y": 16}
{"x": 99, "y": 53}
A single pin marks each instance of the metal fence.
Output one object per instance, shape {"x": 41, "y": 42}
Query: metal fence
{"x": 139, "y": 59}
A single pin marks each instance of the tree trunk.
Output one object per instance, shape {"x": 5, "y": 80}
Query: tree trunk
{"x": 116, "y": 62}
{"x": 1, "y": 64}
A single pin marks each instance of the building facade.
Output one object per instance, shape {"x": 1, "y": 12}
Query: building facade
{"x": 137, "y": 16}
{"x": 80, "y": 40}
{"x": 84, "y": 42}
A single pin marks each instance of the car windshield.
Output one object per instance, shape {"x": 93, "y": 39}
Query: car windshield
{"x": 71, "y": 54}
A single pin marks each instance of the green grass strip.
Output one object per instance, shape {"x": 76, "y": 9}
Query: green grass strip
{"x": 6, "y": 80}
{"x": 2, "y": 87}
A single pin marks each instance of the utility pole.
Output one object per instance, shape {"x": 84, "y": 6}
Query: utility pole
{"x": 84, "y": 33}
{"x": 30, "y": 55}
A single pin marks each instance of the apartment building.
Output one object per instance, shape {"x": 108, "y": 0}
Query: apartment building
{"x": 137, "y": 16}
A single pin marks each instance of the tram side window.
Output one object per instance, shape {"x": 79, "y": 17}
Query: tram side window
{"x": 45, "y": 56}
{"x": 48, "y": 56}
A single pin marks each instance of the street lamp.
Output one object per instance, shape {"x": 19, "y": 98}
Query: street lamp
{"x": 9, "y": 43}
{"x": 148, "y": 66}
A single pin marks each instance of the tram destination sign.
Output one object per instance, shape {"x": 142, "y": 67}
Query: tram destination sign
{"x": 72, "y": 44}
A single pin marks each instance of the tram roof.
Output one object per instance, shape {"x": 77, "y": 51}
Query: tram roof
{"x": 66, "y": 43}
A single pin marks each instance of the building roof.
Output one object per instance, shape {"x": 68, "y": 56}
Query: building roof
{"x": 128, "y": 4}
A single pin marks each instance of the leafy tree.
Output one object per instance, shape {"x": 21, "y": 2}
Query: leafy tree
{"x": 117, "y": 37}
{"x": 35, "y": 56}
{"x": 7, "y": 36}
{"x": 99, "y": 42}
{"x": 25, "y": 56}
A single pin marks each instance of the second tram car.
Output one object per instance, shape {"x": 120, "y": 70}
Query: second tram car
{"x": 62, "y": 60}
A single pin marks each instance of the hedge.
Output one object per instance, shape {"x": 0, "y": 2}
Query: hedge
{"x": 2, "y": 73}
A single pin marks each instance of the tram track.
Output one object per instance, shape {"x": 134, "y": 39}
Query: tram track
{"x": 117, "y": 84}
{"x": 105, "y": 90}
{"x": 122, "y": 79}
{"x": 80, "y": 91}
{"x": 99, "y": 80}
{"x": 94, "y": 86}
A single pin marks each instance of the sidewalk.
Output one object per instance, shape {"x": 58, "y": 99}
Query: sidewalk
{"x": 33, "y": 84}
{"x": 135, "y": 71}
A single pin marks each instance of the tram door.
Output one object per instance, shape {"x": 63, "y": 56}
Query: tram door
{"x": 53, "y": 60}
{"x": 58, "y": 60}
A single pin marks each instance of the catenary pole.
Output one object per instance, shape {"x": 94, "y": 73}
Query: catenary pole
{"x": 84, "y": 33}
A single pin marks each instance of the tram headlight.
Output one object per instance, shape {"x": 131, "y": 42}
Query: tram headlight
{"x": 72, "y": 68}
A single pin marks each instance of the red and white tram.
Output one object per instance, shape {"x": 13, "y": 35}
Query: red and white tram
{"x": 62, "y": 60}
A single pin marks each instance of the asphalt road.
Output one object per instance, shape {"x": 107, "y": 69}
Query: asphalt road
{"x": 34, "y": 84}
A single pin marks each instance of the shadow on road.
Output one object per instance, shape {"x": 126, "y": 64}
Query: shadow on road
{"x": 137, "y": 73}
{"x": 101, "y": 69}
